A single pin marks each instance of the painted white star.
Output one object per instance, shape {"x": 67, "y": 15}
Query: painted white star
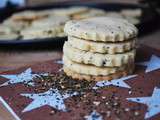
{"x": 52, "y": 97}
{"x": 152, "y": 64}
{"x": 93, "y": 116}
{"x": 25, "y": 77}
{"x": 116, "y": 82}
{"x": 59, "y": 62}
{"x": 152, "y": 102}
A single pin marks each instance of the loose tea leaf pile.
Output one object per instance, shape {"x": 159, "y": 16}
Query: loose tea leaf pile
{"x": 63, "y": 83}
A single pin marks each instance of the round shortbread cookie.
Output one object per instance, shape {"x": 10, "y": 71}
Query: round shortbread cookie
{"x": 45, "y": 28}
{"x": 98, "y": 59}
{"x": 41, "y": 32}
{"x": 79, "y": 76}
{"x": 114, "y": 15}
{"x": 133, "y": 20}
{"x": 27, "y": 16}
{"x": 4, "y": 29}
{"x": 101, "y": 29}
{"x": 70, "y": 11}
{"x": 91, "y": 13}
{"x": 8, "y": 37}
{"x": 90, "y": 69}
{"x": 6, "y": 33}
{"x": 101, "y": 47}
{"x": 51, "y": 21}
{"x": 131, "y": 12}
{"x": 15, "y": 25}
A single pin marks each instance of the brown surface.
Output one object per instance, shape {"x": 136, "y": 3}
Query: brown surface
{"x": 5, "y": 114}
{"x": 80, "y": 106}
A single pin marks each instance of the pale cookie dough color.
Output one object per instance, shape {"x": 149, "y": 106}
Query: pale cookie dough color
{"x": 36, "y": 32}
{"x": 26, "y": 16}
{"x": 80, "y": 76}
{"x": 44, "y": 28}
{"x": 51, "y": 21}
{"x": 98, "y": 59}
{"x": 70, "y": 11}
{"x": 91, "y": 70}
{"x": 101, "y": 47}
{"x": 101, "y": 29}
{"x": 91, "y": 13}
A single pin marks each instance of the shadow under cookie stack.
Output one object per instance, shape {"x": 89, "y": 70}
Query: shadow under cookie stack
{"x": 101, "y": 48}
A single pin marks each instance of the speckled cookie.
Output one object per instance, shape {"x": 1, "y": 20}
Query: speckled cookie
{"x": 8, "y": 37}
{"x": 133, "y": 20}
{"x": 131, "y": 12}
{"x": 101, "y": 47}
{"x": 51, "y": 21}
{"x": 4, "y": 29}
{"x": 70, "y": 11}
{"x": 35, "y": 32}
{"x": 27, "y": 16}
{"x": 114, "y": 15}
{"x": 90, "y": 69}
{"x": 45, "y": 28}
{"x": 79, "y": 76}
{"x": 101, "y": 29}
{"x": 98, "y": 59}
{"x": 15, "y": 25}
{"x": 6, "y": 33}
{"x": 91, "y": 13}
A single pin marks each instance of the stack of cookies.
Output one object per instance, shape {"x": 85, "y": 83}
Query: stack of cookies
{"x": 100, "y": 48}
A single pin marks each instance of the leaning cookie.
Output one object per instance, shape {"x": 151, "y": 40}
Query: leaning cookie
{"x": 98, "y": 59}
{"x": 79, "y": 76}
{"x": 114, "y": 15}
{"x": 91, "y": 13}
{"x": 27, "y": 16}
{"x": 4, "y": 29}
{"x": 101, "y": 29}
{"x": 41, "y": 32}
{"x": 45, "y": 28}
{"x": 70, "y": 11}
{"x": 133, "y": 20}
{"x": 51, "y": 21}
{"x": 15, "y": 25}
{"x": 101, "y": 47}
{"x": 136, "y": 13}
{"x": 9, "y": 37}
{"x": 6, "y": 33}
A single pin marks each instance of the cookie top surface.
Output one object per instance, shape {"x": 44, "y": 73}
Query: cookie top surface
{"x": 9, "y": 37}
{"x": 51, "y": 21}
{"x": 70, "y": 11}
{"x": 93, "y": 12}
{"x": 101, "y": 29}
{"x": 4, "y": 29}
{"x": 27, "y": 15}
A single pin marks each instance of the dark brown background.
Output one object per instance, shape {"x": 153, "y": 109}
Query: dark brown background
{"x": 10, "y": 60}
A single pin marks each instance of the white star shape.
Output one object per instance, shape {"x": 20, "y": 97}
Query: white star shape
{"x": 116, "y": 82}
{"x": 52, "y": 97}
{"x": 93, "y": 116}
{"x": 152, "y": 64}
{"x": 59, "y": 62}
{"x": 25, "y": 77}
{"x": 152, "y": 102}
